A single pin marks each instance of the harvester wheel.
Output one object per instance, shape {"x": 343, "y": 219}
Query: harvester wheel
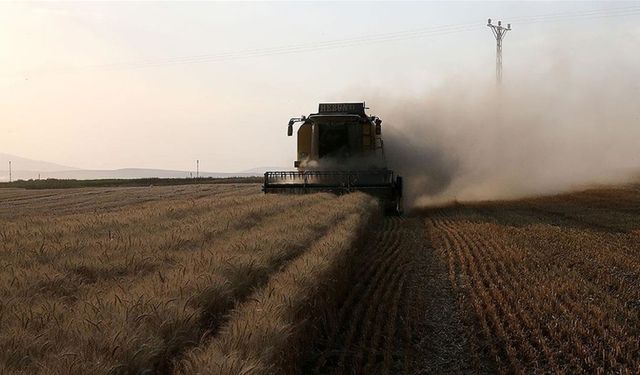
{"x": 393, "y": 208}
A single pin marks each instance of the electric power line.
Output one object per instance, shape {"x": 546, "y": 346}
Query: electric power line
{"x": 569, "y": 15}
{"x": 348, "y": 42}
{"x": 351, "y": 41}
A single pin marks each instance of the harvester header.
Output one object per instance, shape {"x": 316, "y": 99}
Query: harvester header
{"x": 340, "y": 150}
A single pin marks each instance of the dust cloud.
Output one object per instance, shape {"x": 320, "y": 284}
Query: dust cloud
{"x": 542, "y": 131}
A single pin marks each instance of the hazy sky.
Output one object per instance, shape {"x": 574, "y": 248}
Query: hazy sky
{"x": 114, "y": 85}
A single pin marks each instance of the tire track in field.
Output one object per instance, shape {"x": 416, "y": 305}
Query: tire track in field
{"x": 370, "y": 331}
{"x": 449, "y": 345}
{"x": 402, "y": 315}
{"x": 487, "y": 287}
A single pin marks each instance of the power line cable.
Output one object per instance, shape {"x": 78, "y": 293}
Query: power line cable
{"x": 351, "y": 41}
{"x": 571, "y": 14}
{"x": 577, "y": 17}
{"x": 291, "y": 48}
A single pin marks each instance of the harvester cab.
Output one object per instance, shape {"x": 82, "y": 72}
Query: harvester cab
{"x": 340, "y": 150}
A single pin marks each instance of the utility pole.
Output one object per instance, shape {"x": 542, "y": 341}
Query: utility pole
{"x": 9, "y": 170}
{"x": 499, "y": 32}
{"x": 197, "y": 168}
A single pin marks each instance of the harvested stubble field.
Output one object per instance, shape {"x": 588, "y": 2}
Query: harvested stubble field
{"x": 157, "y": 279}
{"x": 547, "y": 285}
{"x": 544, "y": 285}
{"x": 224, "y": 280}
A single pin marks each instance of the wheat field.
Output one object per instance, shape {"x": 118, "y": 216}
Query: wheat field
{"x": 129, "y": 280}
{"x": 222, "y": 279}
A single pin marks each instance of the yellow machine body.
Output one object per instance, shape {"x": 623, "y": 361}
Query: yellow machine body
{"x": 366, "y": 144}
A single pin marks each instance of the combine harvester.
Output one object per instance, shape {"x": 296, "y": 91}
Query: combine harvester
{"x": 340, "y": 150}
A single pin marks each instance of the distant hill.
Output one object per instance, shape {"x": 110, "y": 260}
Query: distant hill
{"x": 25, "y": 169}
{"x": 23, "y": 164}
{"x": 84, "y": 174}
